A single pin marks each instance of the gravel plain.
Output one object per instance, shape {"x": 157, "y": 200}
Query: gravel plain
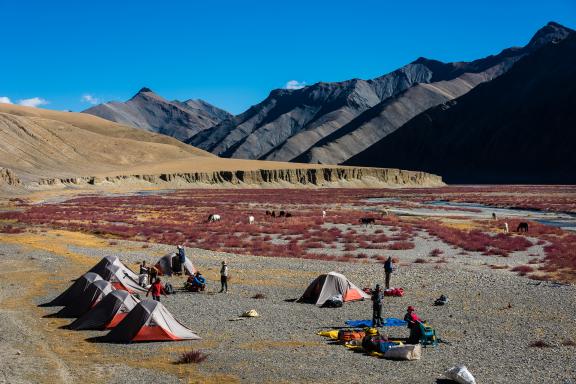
{"x": 491, "y": 319}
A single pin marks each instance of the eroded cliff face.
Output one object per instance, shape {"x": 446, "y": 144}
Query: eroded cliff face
{"x": 7, "y": 177}
{"x": 313, "y": 177}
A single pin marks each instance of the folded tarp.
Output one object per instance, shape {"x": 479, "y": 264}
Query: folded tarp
{"x": 388, "y": 322}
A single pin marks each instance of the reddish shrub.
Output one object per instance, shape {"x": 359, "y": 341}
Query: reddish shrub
{"x": 522, "y": 269}
{"x": 401, "y": 245}
{"x": 539, "y": 344}
{"x": 192, "y": 357}
{"x": 436, "y": 252}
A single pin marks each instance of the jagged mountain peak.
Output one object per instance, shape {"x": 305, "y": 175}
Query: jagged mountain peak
{"x": 152, "y": 112}
{"x": 291, "y": 124}
{"x": 552, "y": 31}
{"x": 145, "y": 90}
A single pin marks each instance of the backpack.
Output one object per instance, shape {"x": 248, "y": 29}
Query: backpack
{"x": 169, "y": 289}
{"x": 346, "y": 335}
{"x": 332, "y": 303}
{"x": 369, "y": 343}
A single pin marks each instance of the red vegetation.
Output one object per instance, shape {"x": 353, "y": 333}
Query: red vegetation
{"x": 522, "y": 270}
{"x": 436, "y": 252}
{"x": 476, "y": 240}
{"x": 180, "y": 218}
{"x": 401, "y": 245}
{"x": 10, "y": 229}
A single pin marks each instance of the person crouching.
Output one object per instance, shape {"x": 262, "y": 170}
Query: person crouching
{"x": 413, "y": 324}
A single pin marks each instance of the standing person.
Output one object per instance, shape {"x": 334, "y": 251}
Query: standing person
{"x": 181, "y": 255}
{"x": 157, "y": 289}
{"x": 176, "y": 265}
{"x": 143, "y": 276}
{"x": 224, "y": 277}
{"x": 377, "y": 296}
{"x": 506, "y": 228}
{"x": 413, "y": 324}
{"x": 152, "y": 274}
{"x": 143, "y": 268}
{"x": 388, "y": 269}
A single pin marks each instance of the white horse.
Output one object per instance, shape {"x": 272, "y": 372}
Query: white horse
{"x": 214, "y": 217}
{"x": 251, "y": 220}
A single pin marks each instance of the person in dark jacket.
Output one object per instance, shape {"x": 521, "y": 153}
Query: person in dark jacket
{"x": 413, "y": 321}
{"x": 152, "y": 274}
{"x": 143, "y": 268}
{"x": 388, "y": 269}
{"x": 181, "y": 255}
{"x": 377, "y": 297}
{"x": 156, "y": 289}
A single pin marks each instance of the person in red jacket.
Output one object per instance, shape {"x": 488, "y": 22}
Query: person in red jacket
{"x": 413, "y": 321}
{"x": 157, "y": 289}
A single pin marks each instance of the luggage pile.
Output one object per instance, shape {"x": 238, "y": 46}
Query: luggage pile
{"x": 106, "y": 298}
{"x": 371, "y": 342}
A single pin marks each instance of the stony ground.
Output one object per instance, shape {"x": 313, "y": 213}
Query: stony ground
{"x": 489, "y": 323}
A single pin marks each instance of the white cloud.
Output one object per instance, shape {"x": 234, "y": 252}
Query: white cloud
{"x": 295, "y": 84}
{"x": 33, "y": 102}
{"x": 87, "y": 98}
{"x": 5, "y": 100}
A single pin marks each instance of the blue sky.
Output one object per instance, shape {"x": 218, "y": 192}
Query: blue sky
{"x": 232, "y": 53}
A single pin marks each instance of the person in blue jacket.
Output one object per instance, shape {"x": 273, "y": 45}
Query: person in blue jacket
{"x": 388, "y": 269}
{"x": 196, "y": 283}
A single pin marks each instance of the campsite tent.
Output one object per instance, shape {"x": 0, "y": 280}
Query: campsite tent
{"x": 92, "y": 295}
{"x": 330, "y": 285}
{"x": 100, "y": 268}
{"x": 121, "y": 280}
{"x": 75, "y": 290}
{"x": 150, "y": 321}
{"x": 110, "y": 311}
{"x": 164, "y": 265}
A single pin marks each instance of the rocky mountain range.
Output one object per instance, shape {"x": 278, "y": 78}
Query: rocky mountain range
{"x": 340, "y": 122}
{"x": 152, "y": 112}
{"x": 331, "y": 122}
{"x": 518, "y": 128}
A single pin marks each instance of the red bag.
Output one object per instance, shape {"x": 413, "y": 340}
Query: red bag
{"x": 399, "y": 292}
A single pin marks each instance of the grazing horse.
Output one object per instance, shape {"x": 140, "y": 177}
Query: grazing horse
{"x": 213, "y": 217}
{"x": 288, "y": 214}
{"x": 522, "y": 227}
{"x": 367, "y": 220}
{"x": 251, "y": 220}
{"x": 282, "y": 214}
